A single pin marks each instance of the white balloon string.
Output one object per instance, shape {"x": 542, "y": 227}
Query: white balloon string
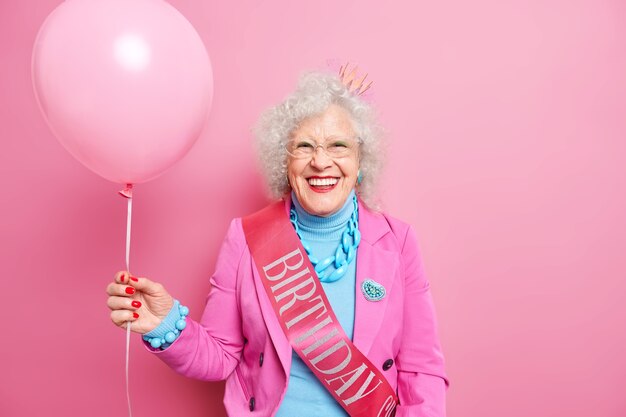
{"x": 128, "y": 221}
{"x": 130, "y": 413}
{"x": 128, "y": 196}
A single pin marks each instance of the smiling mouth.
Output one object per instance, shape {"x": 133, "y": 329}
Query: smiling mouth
{"x": 322, "y": 184}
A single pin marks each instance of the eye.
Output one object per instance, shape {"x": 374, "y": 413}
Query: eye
{"x": 338, "y": 144}
{"x": 303, "y": 144}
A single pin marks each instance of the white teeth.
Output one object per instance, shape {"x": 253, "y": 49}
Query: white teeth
{"x": 322, "y": 181}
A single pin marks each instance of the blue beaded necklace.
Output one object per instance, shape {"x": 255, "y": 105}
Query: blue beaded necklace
{"x": 346, "y": 250}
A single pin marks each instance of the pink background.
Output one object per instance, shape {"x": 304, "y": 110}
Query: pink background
{"x": 508, "y": 149}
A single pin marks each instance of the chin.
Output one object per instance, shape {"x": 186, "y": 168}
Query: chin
{"x": 319, "y": 203}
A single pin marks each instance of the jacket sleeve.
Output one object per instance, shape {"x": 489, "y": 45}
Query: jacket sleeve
{"x": 210, "y": 349}
{"x": 422, "y": 381}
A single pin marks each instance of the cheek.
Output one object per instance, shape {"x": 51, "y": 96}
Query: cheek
{"x": 350, "y": 170}
{"x": 293, "y": 170}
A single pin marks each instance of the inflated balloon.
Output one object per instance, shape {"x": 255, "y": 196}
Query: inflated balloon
{"x": 125, "y": 85}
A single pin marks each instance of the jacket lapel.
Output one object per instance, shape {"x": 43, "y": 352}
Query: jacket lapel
{"x": 373, "y": 263}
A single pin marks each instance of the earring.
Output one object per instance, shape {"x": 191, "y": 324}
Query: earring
{"x": 359, "y": 178}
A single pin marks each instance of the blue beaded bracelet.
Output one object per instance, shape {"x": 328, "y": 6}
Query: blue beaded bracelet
{"x": 170, "y": 336}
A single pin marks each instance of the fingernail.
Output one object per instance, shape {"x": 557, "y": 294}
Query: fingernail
{"x": 135, "y": 315}
{"x": 136, "y": 304}
{"x": 122, "y": 277}
{"x": 134, "y": 279}
{"x": 130, "y": 290}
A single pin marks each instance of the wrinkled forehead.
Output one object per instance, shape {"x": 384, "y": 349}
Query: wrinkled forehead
{"x": 334, "y": 122}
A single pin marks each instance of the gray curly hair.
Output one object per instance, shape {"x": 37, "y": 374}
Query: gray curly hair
{"x": 314, "y": 93}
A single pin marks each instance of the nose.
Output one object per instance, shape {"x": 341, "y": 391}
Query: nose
{"x": 320, "y": 158}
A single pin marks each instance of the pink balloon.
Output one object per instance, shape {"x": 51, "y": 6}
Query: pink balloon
{"x": 125, "y": 85}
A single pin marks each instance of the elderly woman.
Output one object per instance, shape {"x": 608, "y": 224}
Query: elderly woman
{"x": 319, "y": 305}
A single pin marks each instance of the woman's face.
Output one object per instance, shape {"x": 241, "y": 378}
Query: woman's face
{"x": 322, "y": 184}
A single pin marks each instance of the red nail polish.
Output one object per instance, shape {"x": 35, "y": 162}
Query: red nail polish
{"x": 134, "y": 279}
{"x": 135, "y": 315}
{"x": 136, "y": 304}
{"x": 130, "y": 290}
{"x": 122, "y": 278}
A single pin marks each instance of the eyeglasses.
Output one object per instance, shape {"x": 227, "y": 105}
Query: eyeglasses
{"x": 334, "y": 148}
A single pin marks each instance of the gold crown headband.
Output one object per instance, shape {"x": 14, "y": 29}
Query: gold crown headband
{"x": 352, "y": 83}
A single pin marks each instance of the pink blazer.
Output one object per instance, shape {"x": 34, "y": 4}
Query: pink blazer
{"x": 239, "y": 338}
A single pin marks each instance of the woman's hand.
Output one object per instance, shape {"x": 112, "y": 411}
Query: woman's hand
{"x": 131, "y": 296}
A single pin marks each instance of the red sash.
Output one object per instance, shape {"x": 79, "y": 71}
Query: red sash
{"x": 308, "y": 320}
